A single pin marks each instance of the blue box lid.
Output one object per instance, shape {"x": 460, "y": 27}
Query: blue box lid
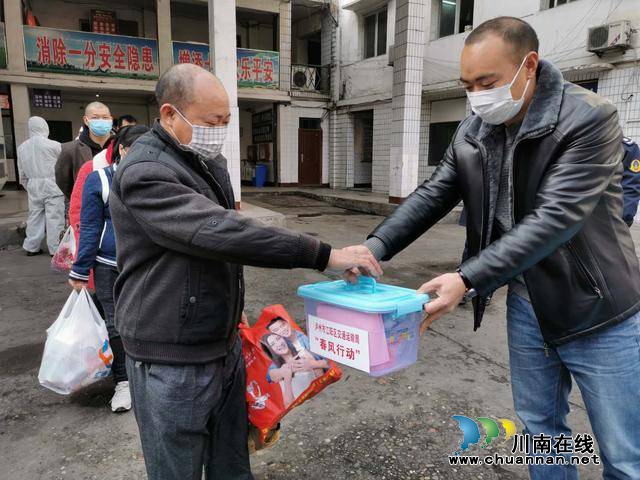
{"x": 366, "y": 296}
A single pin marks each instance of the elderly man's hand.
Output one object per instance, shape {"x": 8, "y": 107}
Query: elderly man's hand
{"x": 352, "y": 274}
{"x": 450, "y": 289}
{"x": 353, "y": 260}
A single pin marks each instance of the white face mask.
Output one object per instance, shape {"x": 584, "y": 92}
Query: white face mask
{"x": 206, "y": 141}
{"x": 496, "y": 106}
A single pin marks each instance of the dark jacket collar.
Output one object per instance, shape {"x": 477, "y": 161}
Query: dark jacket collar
{"x": 543, "y": 111}
{"x": 86, "y": 139}
{"x": 171, "y": 142}
{"x": 185, "y": 152}
{"x": 216, "y": 167}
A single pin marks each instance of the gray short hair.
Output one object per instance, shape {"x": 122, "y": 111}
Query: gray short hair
{"x": 175, "y": 86}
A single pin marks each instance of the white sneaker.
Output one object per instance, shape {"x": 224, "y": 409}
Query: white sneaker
{"x": 121, "y": 400}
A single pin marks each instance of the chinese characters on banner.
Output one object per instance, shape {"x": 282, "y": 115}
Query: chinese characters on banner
{"x": 258, "y": 68}
{"x": 346, "y": 345}
{"x": 85, "y": 53}
{"x": 189, "y": 52}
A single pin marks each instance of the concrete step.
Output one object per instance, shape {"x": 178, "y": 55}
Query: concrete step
{"x": 363, "y": 202}
{"x": 263, "y": 214}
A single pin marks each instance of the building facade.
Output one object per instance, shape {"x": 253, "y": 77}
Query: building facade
{"x": 401, "y": 103}
{"x": 273, "y": 56}
{"x": 341, "y": 93}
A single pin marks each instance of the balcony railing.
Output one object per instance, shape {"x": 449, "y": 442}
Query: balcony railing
{"x": 310, "y": 78}
{"x": 86, "y": 53}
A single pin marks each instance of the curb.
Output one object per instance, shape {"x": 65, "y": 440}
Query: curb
{"x": 356, "y": 205}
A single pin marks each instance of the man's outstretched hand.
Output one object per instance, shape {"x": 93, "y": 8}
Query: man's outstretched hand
{"x": 354, "y": 260}
{"x": 449, "y": 289}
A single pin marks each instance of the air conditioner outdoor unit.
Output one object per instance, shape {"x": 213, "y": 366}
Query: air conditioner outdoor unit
{"x": 611, "y": 36}
{"x": 304, "y": 78}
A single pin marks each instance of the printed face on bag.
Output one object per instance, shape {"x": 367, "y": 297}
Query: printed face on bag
{"x": 280, "y": 326}
{"x": 273, "y": 385}
{"x": 278, "y": 345}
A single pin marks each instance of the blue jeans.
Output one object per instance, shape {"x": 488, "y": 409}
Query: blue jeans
{"x": 606, "y": 368}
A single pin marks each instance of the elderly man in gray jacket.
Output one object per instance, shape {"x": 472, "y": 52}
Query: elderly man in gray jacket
{"x": 179, "y": 297}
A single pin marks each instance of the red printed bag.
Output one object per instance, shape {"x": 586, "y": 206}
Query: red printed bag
{"x": 282, "y": 373}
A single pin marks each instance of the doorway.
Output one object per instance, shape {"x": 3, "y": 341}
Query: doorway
{"x": 440, "y": 136}
{"x": 362, "y": 149}
{"x": 60, "y": 131}
{"x": 309, "y": 152}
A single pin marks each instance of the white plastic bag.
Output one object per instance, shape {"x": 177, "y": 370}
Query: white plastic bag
{"x": 77, "y": 351}
{"x": 65, "y": 255}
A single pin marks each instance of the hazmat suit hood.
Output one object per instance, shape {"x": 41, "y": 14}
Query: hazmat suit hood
{"x": 37, "y": 157}
{"x": 38, "y": 127}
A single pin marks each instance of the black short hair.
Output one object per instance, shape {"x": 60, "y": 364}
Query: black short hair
{"x": 277, "y": 319}
{"x": 126, "y": 118}
{"x": 175, "y": 86}
{"x": 514, "y": 31}
{"x": 125, "y": 137}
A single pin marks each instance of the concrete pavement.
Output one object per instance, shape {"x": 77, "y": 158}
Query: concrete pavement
{"x": 395, "y": 427}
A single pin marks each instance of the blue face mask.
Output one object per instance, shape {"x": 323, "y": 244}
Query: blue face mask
{"x": 99, "y": 127}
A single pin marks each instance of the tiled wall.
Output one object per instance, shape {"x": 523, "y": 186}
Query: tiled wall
{"x": 285, "y": 45}
{"x": 381, "y": 142}
{"x": 407, "y": 92}
{"x": 341, "y": 150}
{"x": 288, "y": 123}
{"x": 423, "y": 161}
{"x": 620, "y": 85}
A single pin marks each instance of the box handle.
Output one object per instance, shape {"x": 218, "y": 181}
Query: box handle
{"x": 363, "y": 282}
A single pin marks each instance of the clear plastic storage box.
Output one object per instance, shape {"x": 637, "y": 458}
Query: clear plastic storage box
{"x": 390, "y": 315}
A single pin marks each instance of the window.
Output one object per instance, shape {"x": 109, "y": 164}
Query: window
{"x": 375, "y": 34}
{"x": 440, "y": 136}
{"x": 125, "y": 27}
{"x": 311, "y": 123}
{"x": 455, "y": 16}
{"x": 589, "y": 84}
{"x": 554, "y": 3}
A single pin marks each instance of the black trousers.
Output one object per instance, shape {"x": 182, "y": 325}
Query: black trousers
{"x": 105, "y": 277}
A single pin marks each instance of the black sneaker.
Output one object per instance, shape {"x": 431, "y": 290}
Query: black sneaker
{"x": 33, "y": 254}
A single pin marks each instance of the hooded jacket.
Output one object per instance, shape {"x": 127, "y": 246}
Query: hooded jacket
{"x": 73, "y": 156}
{"x": 37, "y": 158}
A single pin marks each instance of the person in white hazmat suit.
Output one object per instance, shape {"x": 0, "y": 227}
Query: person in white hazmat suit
{"x": 37, "y": 158}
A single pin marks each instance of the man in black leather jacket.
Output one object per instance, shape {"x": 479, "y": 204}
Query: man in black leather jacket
{"x": 538, "y": 168}
{"x": 180, "y": 292}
